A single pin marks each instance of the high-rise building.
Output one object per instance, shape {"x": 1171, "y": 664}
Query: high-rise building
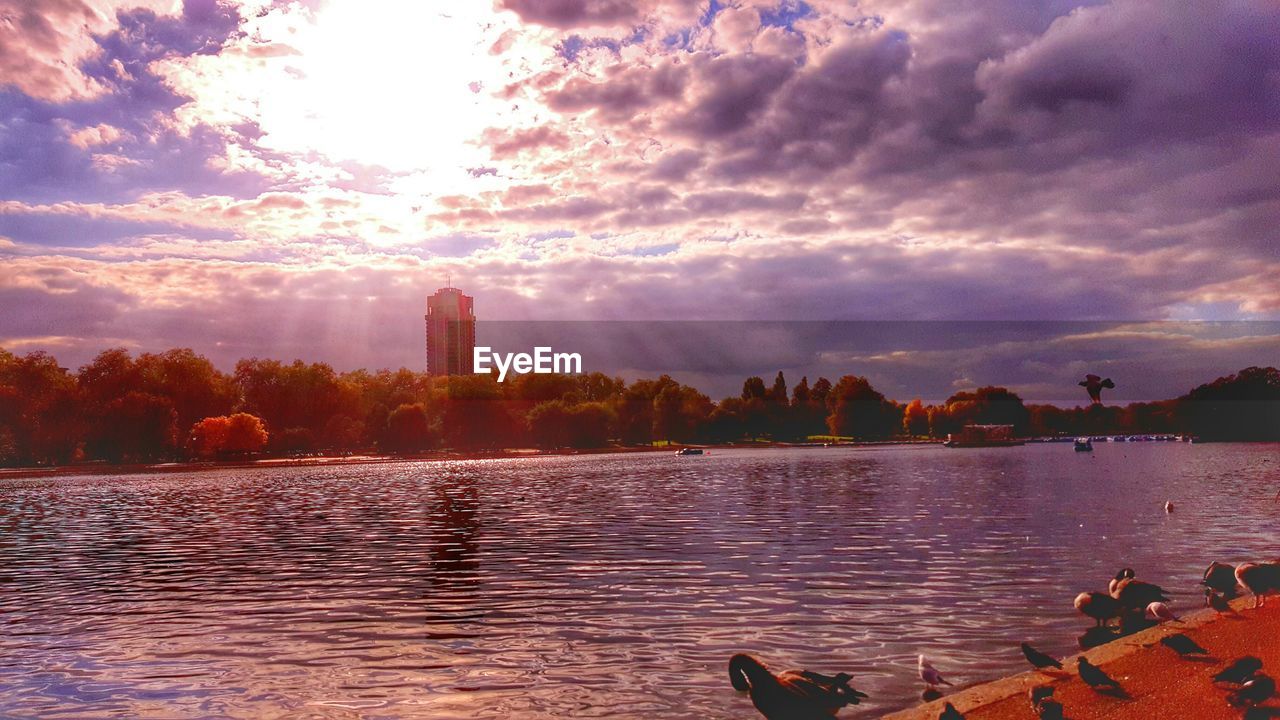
{"x": 451, "y": 332}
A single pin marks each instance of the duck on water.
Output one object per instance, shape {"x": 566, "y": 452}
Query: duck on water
{"x": 792, "y": 694}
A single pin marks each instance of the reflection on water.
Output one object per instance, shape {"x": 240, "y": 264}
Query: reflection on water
{"x": 590, "y": 586}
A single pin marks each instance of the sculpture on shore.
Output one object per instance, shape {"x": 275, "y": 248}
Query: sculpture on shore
{"x": 1094, "y": 385}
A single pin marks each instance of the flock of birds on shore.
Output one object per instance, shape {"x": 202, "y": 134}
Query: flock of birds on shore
{"x": 1133, "y": 603}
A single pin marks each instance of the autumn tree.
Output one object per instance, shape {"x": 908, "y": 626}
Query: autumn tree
{"x": 208, "y": 436}
{"x": 915, "y": 419}
{"x": 245, "y": 434}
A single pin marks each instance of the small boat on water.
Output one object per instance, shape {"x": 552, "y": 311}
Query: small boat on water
{"x": 974, "y": 436}
{"x": 689, "y": 451}
{"x": 1084, "y": 444}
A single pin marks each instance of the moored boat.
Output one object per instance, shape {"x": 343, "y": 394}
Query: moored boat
{"x": 972, "y": 436}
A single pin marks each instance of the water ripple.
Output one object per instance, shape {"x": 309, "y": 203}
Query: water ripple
{"x": 606, "y": 586}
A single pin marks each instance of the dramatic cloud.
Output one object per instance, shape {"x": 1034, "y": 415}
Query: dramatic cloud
{"x": 287, "y": 178}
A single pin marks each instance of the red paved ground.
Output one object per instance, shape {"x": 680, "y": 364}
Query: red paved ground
{"x": 1161, "y": 684}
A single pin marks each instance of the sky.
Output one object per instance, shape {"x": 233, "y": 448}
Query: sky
{"x": 291, "y": 179}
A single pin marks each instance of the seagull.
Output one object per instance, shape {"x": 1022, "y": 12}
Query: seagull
{"x": 1259, "y": 689}
{"x": 1261, "y": 579}
{"x": 1239, "y": 671}
{"x": 1161, "y": 612}
{"x": 1183, "y": 645}
{"x": 1039, "y": 660}
{"x": 791, "y": 694}
{"x": 1099, "y": 606}
{"x": 1094, "y": 677}
{"x": 950, "y": 713}
{"x": 929, "y": 674}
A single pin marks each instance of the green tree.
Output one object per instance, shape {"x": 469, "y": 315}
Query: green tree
{"x": 408, "y": 430}
{"x": 137, "y": 427}
{"x": 1243, "y": 406}
{"x": 858, "y": 411}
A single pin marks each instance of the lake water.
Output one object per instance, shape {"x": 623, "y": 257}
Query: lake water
{"x": 590, "y": 586}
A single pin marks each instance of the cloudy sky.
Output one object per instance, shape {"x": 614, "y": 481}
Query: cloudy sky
{"x": 289, "y": 179}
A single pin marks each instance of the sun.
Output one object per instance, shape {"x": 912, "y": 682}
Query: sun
{"x": 408, "y": 86}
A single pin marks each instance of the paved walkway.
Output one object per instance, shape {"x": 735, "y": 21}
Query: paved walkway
{"x": 1160, "y": 684}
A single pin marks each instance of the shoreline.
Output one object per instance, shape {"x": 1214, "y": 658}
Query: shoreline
{"x": 1160, "y": 684}
{"x": 366, "y": 459}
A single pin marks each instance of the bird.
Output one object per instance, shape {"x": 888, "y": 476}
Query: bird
{"x": 1094, "y": 677}
{"x": 1094, "y": 384}
{"x": 1218, "y": 602}
{"x": 1258, "y": 689}
{"x": 1239, "y": 671}
{"x": 1123, "y": 574}
{"x": 1039, "y": 660}
{"x": 1038, "y": 695}
{"x": 1161, "y": 612}
{"x": 929, "y": 674}
{"x": 791, "y": 694}
{"x": 1099, "y": 606}
{"x": 1260, "y": 579}
{"x": 1168, "y": 506}
{"x": 1135, "y": 595}
{"x": 1050, "y": 709}
{"x": 1221, "y": 577}
{"x": 950, "y": 713}
{"x": 1183, "y": 645}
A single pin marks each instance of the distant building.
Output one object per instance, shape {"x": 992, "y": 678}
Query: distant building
{"x": 451, "y": 332}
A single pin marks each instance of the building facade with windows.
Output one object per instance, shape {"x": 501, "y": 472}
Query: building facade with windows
{"x": 451, "y": 332}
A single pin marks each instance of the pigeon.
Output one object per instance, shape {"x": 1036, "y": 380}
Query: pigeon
{"x": 1239, "y": 671}
{"x": 1261, "y": 579}
{"x": 1221, "y": 577}
{"x": 1043, "y": 704}
{"x": 1218, "y": 602}
{"x": 1258, "y": 689}
{"x": 791, "y": 693}
{"x": 1039, "y": 694}
{"x": 1094, "y": 677}
{"x": 1099, "y": 606}
{"x": 1039, "y": 660}
{"x": 929, "y": 674}
{"x": 950, "y": 713}
{"x": 1050, "y": 710}
{"x": 1183, "y": 645}
{"x": 1160, "y": 612}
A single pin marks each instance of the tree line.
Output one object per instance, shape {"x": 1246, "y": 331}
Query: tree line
{"x": 177, "y": 405}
